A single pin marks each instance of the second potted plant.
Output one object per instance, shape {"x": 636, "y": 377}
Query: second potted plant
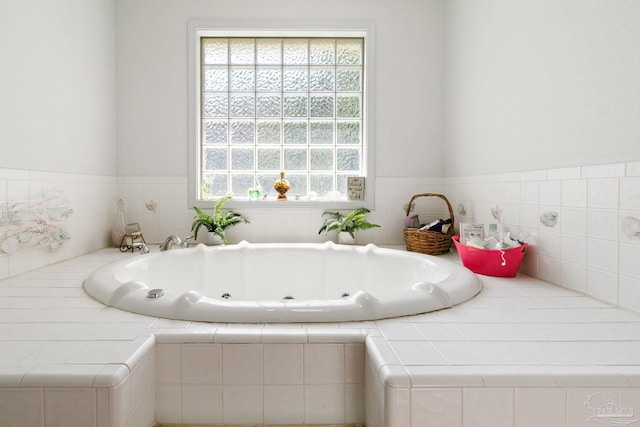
{"x": 219, "y": 221}
{"x": 346, "y": 224}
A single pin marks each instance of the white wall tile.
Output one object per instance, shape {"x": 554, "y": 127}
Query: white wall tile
{"x": 536, "y": 407}
{"x": 530, "y": 193}
{"x": 603, "y": 193}
{"x": 241, "y": 364}
{"x": 550, "y": 193}
{"x": 324, "y": 404}
{"x": 630, "y": 194}
{"x": 283, "y": 404}
{"x": 242, "y": 404}
{"x": 70, "y": 407}
{"x": 603, "y": 224}
{"x": 629, "y": 265}
{"x": 579, "y": 413}
{"x": 283, "y": 363}
{"x": 169, "y": 403}
{"x": 201, "y": 404}
{"x": 602, "y": 255}
{"x": 22, "y": 407}
{"x": 488, "y": 407}
{"x": 573, "y": 249}
{"x": 168, "y": 363}
{"x": 574, "y": 276}
{"x": 574, "y": 221}
{"x": 437, "y": 407}
{"x": 323, "y": 363}
{"x": 201, "y": 363}
{"x": 354, "y": 363}
{"x": 629, "y": 293}
{"x": 354, "y": 407}
{"x": 602, "y": 285}
{"x": 574, "y": 193}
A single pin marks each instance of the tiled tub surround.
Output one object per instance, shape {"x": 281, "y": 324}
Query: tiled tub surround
{"x": 522, "y": 353}
{"x": 586, "y": 251}
{"x": 90, "y": 197}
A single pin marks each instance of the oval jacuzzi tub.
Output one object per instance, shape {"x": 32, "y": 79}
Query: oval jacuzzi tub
{"x": 278, "y": 282}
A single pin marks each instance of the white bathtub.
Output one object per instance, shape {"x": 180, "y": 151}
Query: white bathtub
{"x": 327, "y": 283}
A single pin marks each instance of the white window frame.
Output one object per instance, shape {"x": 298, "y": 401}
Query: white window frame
{"x": 201, "y": 29}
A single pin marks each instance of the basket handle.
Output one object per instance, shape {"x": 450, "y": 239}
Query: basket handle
{"x": 431, "y": 195}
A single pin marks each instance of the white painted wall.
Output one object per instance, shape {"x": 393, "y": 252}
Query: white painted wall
{"x": 540, "y": 84}
{"x": 152, "y": 77}
{"x": 57, "y": 85}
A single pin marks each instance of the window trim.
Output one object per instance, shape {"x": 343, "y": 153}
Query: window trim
{"x": 199, "y": 29}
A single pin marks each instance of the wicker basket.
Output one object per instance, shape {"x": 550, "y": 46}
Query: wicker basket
{"x": 429, "y": 242}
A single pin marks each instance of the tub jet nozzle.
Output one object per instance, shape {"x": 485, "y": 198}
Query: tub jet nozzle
{"x": 155, "y": 293}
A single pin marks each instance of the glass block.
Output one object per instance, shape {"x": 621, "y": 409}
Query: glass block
{"x": 321, "y": 184}
{"x": 269, "y": 159}
{"x": 241, "y": 159}
{"x": 214, "y": 132}
{"x": 268, "y": 106}
{"x": 348, "y": 132}
{"x": 295, "y": 106}
{"x": 268, "y": 132}
{"x": 242, "y": 106}
{"x": 321, "y": 159}
{"x": 240, "y": 183}
{"x": 295, "y": 79}
{"x": 349, "y": 51}
{"x": 266, "y": 180}
{"x": 321, "y": 106}
{"x": 298, "y": 185}
{"x": 269, "y": 51}
{"x": 349, "y": 79}
{"x": 242, "y": 51}
{"x": 213, "y": 185}
{"x": 268, "y": 79}
{"x": 321, "y": 132}
{"x": 215, "y": 51}
{"x": 348, "y": 159}
{"x": 295, "y": 159}
{"x": 215, "y": 158}
{"x": 243, "y": 79}
{"x": 348, "y": 106}
{"x": 321, "y": 79}
{"x": 295, "y": 132}
{"x": 322, "y": 52}
{"x": 214, "y": 105}
{"x": 295, "y": 51}
{"x": 215, "y": 79}
{"x": 341, "y": 184}
{"x": 242, "y": 132}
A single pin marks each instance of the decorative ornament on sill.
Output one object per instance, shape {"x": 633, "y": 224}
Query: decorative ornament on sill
{"x": 282, "y": 186}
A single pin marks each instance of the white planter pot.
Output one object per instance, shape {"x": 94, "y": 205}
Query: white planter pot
{"x": 212, "y": 238}
{"x": 345, "y": 238}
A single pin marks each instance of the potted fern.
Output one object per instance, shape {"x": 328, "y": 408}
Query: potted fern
{"x": 216, "y": 223}
{"x": 346, "y": 224}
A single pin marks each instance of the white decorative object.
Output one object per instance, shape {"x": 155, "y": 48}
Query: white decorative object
{"x": 496, "y": 213}
{"x": 151, "y": 206}
{"x": 549, "y": 218}
{"x": 631, "y": 228}
{"x": 344, "y": 238}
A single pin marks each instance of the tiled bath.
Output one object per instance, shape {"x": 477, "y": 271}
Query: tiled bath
{"x": 522, "y": 353}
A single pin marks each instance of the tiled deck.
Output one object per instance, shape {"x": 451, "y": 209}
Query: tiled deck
{"x": 516, "y": 345}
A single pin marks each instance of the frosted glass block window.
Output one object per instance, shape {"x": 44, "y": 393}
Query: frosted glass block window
{"x": 289, "y": 104}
